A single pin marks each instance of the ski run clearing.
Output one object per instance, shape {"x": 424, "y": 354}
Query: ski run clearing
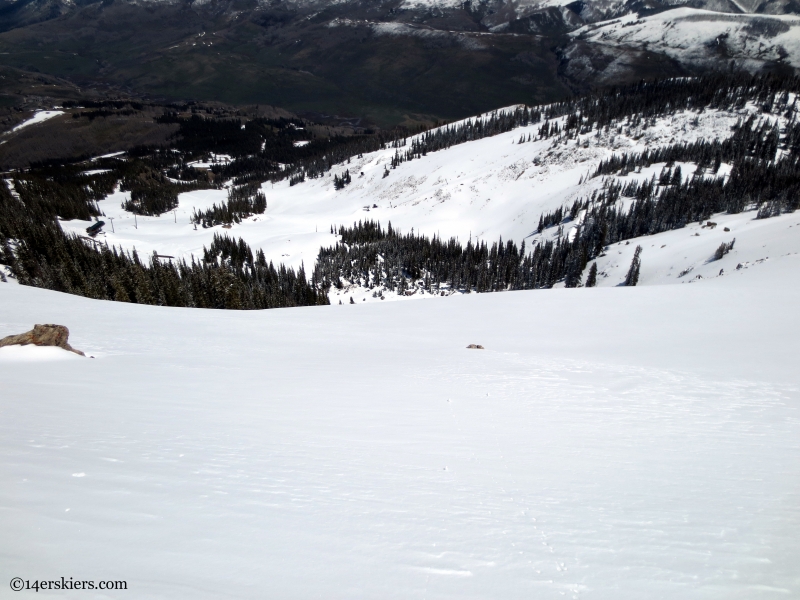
{"x": 39, "y": 116}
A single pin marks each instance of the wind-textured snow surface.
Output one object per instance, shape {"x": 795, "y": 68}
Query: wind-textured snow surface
{"x": 609, "y": 443}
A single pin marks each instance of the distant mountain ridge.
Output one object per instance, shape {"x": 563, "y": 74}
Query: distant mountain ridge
{"x": 395, "y": 61}
{"x": 491, "y": 14}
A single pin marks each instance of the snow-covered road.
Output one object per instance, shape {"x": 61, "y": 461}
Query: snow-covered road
{"x": 609, "y": 443}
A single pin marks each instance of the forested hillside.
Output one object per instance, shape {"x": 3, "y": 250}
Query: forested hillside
{"x": 722, "y": 144}
{"x": 763, "y": 174}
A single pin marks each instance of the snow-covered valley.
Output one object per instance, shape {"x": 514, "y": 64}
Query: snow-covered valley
{"x": 481, "y": 191}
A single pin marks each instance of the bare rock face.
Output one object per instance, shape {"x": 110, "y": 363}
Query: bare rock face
{"x": 42, "y": 335}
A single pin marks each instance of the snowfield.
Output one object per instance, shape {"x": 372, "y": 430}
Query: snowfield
{"x": 696, "y": 37}
{"x": 609, "y": 443}
{"x": 38, "y": 117}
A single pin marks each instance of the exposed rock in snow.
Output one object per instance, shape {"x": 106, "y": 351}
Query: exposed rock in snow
{"x": 42, "y": 335}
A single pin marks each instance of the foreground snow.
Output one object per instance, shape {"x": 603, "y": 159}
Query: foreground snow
{"x": 620, "y": 443}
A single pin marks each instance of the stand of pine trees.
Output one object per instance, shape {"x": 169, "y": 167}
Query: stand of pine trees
{"x": 40, "y": 254}
{"x": 340, "y": 182}
{"x": 372, "y": 256}
{"x": 243, "y": 201}
{"x": 65, "y": 192}
{"x": 152, "y": 193}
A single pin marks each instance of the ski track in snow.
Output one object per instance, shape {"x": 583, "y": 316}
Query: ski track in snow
{"x": 608, "y": 443}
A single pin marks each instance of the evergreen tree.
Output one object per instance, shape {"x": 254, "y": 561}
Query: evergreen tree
{"x": 632, "y": 278}
{"x": 591, "y": 279}
{"x": 723, "y": 249}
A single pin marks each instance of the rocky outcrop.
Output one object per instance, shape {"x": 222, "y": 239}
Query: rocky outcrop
{"x": 42, "y": 335}
{"x": 475, "y": 347}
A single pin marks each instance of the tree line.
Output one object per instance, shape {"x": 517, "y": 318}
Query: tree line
{"x": 40, "y": 254}
{"x": 638, "y": 104}
{"x": 764, "y": 160}
{"x": 764, "y": 176}
{"x": 373, "y": 257}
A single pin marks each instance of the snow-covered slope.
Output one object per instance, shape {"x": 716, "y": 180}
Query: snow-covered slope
{"x": 38, "y": 117}
{"x": 697, "y": 39}
{"x": 480, "y": 190}
{"x": 613, "y": 444}
{"x": 508, "y": 9}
